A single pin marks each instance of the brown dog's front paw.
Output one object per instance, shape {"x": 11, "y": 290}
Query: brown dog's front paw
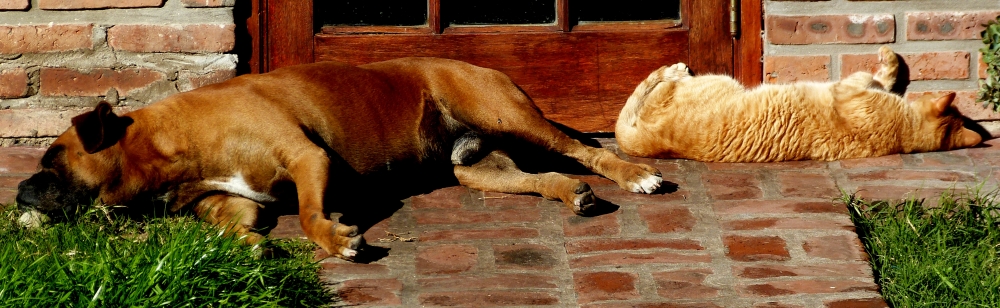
{"x": 346, "y": 241}
{"x": 582, "y": 200}
{"x": 645, "y": 179}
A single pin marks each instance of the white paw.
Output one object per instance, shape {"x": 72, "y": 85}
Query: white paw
{"x": 647, "y": 185}
{"x": 676, "y": 72}
{"x": 347, "y": 252}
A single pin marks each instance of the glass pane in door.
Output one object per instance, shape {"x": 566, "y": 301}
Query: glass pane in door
{"x": 507, "y": 12}
{"x": 624, "y": 10}
{"x": 370, "y": 12}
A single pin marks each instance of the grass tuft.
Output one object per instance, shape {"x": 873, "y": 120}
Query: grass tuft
{"x": 940, "y": 256}
{"x": 96, "y": 261}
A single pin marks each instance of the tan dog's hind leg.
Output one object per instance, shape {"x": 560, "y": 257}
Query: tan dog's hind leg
{"x": 497, "y": 172}
{"x": 888, "y": 69}
{"x": 309, "y": 172}
{"x": 236, "y": 215}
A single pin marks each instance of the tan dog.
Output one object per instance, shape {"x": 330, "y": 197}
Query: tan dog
{"x": 714, "y": 118}
{"x": 228, "y": 149}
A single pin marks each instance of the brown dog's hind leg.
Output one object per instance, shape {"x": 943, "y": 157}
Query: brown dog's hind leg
{"x": 506, "y": 111}
{"x": 236, "y": 215}
{"x": 309, "y": 170}
{"x": 497, "y": 172}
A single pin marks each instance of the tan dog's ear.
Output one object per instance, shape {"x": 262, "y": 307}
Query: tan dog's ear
{"x": 939, "y": 105}
{"x": 100, "y": 128}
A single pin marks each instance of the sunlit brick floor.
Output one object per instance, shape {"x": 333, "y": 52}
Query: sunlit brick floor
{"x": 728, "y": 235}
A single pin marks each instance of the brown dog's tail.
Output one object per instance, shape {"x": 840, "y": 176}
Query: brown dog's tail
{"x": 630, "y": 113}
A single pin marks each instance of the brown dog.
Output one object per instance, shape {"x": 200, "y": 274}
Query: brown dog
{"x": 228, "y": 149}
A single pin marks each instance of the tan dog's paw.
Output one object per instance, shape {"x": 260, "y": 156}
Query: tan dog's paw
{"x": 676, "y": 72}
{"x": 346, "y": 241}
{"x": 645, "y": 179}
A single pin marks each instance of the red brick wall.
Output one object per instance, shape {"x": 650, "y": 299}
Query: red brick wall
{"x": 828, "y": 40}
{"x": 61, "y": 57}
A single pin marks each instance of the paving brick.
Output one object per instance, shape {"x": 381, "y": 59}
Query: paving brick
{"x": 621, "y": 258}
{"x": 499, "y": 200}
{"x": 95, "y": 82}
{"x": 830, "y": 29}
{"x": 370, "y": 292}
{"x": 653, "y": 304}
{"x": 788, "y": 69}
{"x": 500, "y": 233}
{"x": 841, "y": 223}
{"x": 206, "y": 3}
{"x": 894, "y": 192}
{"x": 857, "y": 303}
{"x": 446, "y": 259}
{"x": 603, "y": 225}
{"x": 172, "y": 38}
{"x": 13, "y": 4}
{"x": 444, "y": 198}
{"x": 777, "y": 207}
{"x": 936, "y": 26}
{"x": 732, "y": 186}
{"x": 502, "y": 281}
{"x": 20, "y": 160}
{"x": 13, "y": 83}
{"x": 684, "y": 284}
{"x": 487, "y": 298}
{"x": 777, "y": 288}
{"x": 600, "y": 286}
{"x": 798, "y": 165}
{"x": 808, "y": 185}
{"x": 95, "y": 4}
{"x": 755, "y": 248}
{"x": 453, "y": 216}
{"x": 941, "y": 65}
{"x": 776, "y": 305}
{"x": 337, "y": 267}
{"x": 7, "y": 196}
{"x": 524, "y": 256}
{"x": 893, "y": 161}
{"x": 912, "y": 175}
{"x": 758, "y": 271}
{"x": 45, "y": 38}
{"x": 616, "y": 195}
{"x": 611, "y": 244}
{"x": 665, "y": 219}
{"x": 835, "y": 247}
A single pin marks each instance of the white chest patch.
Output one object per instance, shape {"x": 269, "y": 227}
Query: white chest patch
{"x": 238, "y": 186}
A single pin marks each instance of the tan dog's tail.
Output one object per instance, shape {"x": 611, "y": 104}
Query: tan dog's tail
{"x": 630, "y": 113}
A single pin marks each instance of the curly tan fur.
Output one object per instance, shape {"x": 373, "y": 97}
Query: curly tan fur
{"x": 714, "y": 118}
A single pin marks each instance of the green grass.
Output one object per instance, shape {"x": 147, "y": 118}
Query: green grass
{"x": 941, "y": 256}
{"x": 99, "y": 261}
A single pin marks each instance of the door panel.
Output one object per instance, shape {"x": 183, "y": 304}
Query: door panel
{"x": 579, "y": 73}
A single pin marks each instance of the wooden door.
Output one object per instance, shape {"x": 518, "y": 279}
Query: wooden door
{"x": 579, "y": 61}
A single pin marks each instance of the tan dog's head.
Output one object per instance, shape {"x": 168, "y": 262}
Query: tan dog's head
{"x": 942, "y": 122}
{"x": 74, "y": 168}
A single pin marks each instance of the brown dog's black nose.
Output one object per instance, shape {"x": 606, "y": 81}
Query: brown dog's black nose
{"x": 27, "y": 196}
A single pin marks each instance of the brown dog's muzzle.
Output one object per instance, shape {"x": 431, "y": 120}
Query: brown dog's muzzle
{"x": 47, "y": 194}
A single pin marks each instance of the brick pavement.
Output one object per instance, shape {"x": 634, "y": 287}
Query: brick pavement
{"x": 726, "y": 235}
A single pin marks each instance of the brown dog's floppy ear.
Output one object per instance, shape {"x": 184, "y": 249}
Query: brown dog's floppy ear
{"x": 940, "y": 104}
{"x": 100, "y": 128}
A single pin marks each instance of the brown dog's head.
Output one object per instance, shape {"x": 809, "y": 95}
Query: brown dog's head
{"x": 74, "y": 167}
